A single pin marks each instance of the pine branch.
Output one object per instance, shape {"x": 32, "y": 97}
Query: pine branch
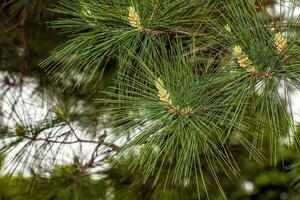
{"x": 103, "y": 31}
{"x": 263, "y": 57}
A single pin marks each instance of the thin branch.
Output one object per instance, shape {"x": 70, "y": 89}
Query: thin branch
{"x": 85, "y": 167}
{"x": 156, "y": 32}
{"x": 71, "y": 128}
{"x": 11, "y": 28}
{"x": 170, "y": 32}
{"x": 284, "y": 25}
{"x": 6, "y": 4}
{"x": 114, "y": 147}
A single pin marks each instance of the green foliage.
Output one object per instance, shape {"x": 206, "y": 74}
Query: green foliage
{"x": 26, "y": 10}
{"x": 200, "y": 121}
{"x": 56, "y": 185}
{"x": 106, "y": 30}
{"x": 261, "y": 60}
{"x": 198, "y": 88}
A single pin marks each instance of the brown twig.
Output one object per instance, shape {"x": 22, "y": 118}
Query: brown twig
{"x": 13, "y": 27}
{"x": 114, "y": 147}
{"x": 71, "y": 128}
{"x": 169, "y": 32}
{"x": 262, "y": 74}
{"x": 85, "y": 167}
{"x": 4, "y": 4}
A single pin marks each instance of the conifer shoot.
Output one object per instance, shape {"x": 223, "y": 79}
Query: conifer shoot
{"x": 243, "y": 60}
{"x": 164, "y": 96}
{"x": 280, "y": 42}
{"x": 134, "y": 18}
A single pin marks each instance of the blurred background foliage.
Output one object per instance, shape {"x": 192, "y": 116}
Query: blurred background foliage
{"x": 25, "y": 40}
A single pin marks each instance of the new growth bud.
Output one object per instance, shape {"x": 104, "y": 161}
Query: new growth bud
{"x": 20, "y": 130}
{"x": 164, "y": 96}
{"x": 134, "y": 18}
{"x": 59, "y": 112}
{"x": 280, "y": 42}
{"x": 243, "y": 60}
{"x": 228, "y": 28}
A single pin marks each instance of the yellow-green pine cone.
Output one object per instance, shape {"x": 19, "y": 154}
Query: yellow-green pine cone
{"x": 134, "y": 18}
{"x": 186, "y": 111}
{"x": 20, "y": 131}
{"x": 243, "y": 60}
{"x": 163, "y": 94}
{"x": 58, "y": 111}
{"x": 228, "y": 28}
{"x": 280, "y": 42}
{"x": 86, "y": 11}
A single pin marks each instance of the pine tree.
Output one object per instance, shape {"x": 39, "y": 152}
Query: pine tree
{"x": 152, "y": 99}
